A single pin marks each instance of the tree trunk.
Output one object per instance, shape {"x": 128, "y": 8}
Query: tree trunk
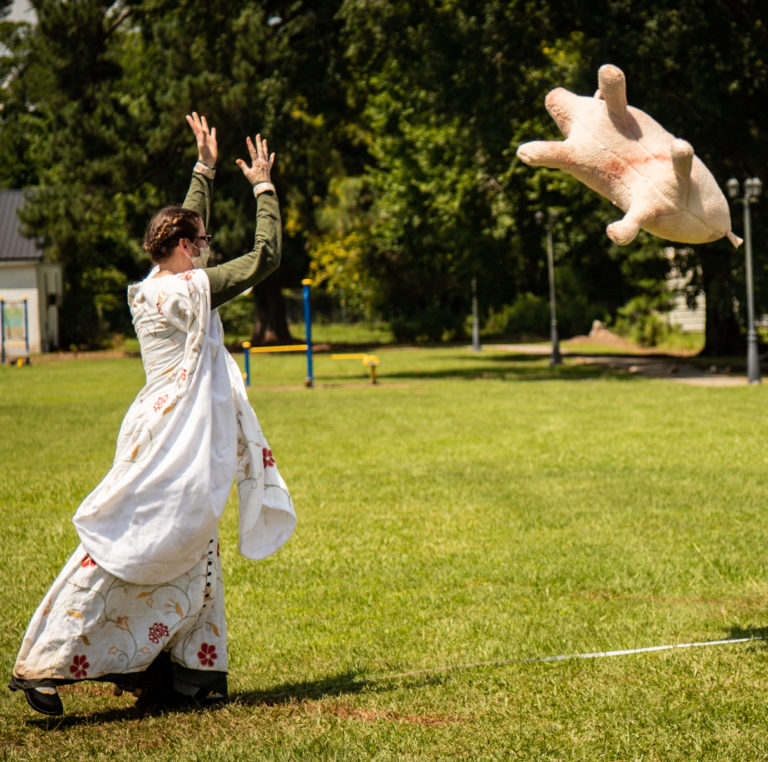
{"x": 724, "y": 336}
{"x": 271, "y": 323}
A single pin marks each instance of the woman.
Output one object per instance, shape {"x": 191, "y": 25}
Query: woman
{"x": 140, "y": 602}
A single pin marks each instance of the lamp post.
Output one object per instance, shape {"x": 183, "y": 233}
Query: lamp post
{"x": 475, "y": 319}
{"x": 753, "y": 187}
{"x": 548, "y": 221}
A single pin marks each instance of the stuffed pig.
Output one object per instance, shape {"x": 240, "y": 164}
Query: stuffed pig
{"x": 628, "y": 157}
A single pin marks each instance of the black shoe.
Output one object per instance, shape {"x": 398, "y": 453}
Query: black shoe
{"x": 45, "y": 703}
{"x": 209, "y": 697}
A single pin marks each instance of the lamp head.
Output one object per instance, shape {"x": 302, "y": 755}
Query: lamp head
{"x": 753, "y": 187}
{"x": 733, "y": 188}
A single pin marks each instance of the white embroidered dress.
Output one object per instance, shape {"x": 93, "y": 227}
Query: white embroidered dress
{"x": 147, "y": 574}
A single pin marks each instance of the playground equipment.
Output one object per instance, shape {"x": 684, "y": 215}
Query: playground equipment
{"x": 369, "y": 361}
{"x": 14, "y": 331}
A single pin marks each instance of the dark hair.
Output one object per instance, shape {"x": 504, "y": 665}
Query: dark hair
{"x": 166, "y": 228}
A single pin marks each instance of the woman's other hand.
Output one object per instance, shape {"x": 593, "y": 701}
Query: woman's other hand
{"x": 261, "y": 162}
{"x": 207, "y": 148}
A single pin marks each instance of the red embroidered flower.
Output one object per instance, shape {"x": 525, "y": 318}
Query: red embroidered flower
{"x": 79, "y": 666}
{"x": 159, "y": 402}
{"x": 87, "y": 561}
{"x": 157, "y": 631}
{"x": 183, "y": 374}
{"x": 269, "y": 459}
{"x": 207, "y": 654}
{"x": 187, "y": 275}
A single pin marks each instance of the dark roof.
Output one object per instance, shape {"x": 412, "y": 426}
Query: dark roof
{"x": 14, "y": 247}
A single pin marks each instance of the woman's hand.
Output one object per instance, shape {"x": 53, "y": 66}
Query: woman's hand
{"x": 261, "y": 162}
{"x": 207, "y": 148}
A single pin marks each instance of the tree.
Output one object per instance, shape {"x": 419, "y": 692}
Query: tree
{"x": 62, "y": 114}
{"x": 94, "y": 111}
{"x": 452, "y": 201}
{"x": 700, "y": 67}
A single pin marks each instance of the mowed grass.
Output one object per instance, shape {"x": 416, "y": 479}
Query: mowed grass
{"x": 469, "y": 508}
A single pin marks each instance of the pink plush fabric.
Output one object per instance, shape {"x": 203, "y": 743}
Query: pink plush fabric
{"x": 628, "y": 157}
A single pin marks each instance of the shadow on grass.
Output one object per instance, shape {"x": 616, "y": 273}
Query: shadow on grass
{"x": 120, "y": 714}
{"x": 342, "y": 684}
{"x": 516, "y": 368}
{"x": 345, "y": 683}
{"x": 758, "y": 633}
{"x": 334, "y": 685}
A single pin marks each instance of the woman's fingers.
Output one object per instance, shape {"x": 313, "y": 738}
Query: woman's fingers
{"x": 261, "y": 159}
{"x": 251, "y": 148}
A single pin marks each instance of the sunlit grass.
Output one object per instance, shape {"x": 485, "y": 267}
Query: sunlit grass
{"x": 470, "y": 507}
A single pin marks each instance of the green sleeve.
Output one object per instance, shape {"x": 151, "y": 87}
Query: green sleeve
{"x": 234, "y": 277}
{"x": 198, "y": 197}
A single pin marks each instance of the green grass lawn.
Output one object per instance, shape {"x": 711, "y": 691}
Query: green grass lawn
{"x": 471, "y": 507}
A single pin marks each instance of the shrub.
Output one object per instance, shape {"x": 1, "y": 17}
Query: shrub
{"x": 237, "y": 315}
{"x": 642, "y": 320}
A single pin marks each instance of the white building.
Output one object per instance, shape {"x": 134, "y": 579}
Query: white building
{"x": 681, "y": 315}
{"x": 24, "y": 276}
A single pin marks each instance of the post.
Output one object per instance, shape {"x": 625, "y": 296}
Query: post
{"x": 26, "y": 328}
{"x": 2, "y": 332}
{"x": 753, "y": 365}
{"x": 247, "y": 361}
{"x": 475, "y": 322}
{"x": 753, "y": 187}
{"x": 555, "y": 358}
{"x": 307, "y": 283}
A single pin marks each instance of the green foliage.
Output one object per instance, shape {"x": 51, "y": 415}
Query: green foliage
{"x": 661, "y": 47}
{"x": 337, "y": 258}
{"x": 396, "y": 156}
{"x": 237, "y": 316}
{"x": 527, "y": 317}
{"x": 642, "y": 320}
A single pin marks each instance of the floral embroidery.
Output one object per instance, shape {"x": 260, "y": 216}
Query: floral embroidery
{"x": 183, "y": 375}
{"x": 79, "y": 666}
{"x": 157, "y": 631}
{"x": 187, "y": 275}
{"x": 207, "y": 654}
{"x": 160, "y": 401}
{"x": 87, "y": 561}
{"x": 269, "y": 459}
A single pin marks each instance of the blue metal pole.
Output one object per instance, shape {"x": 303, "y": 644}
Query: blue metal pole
{"x": 247, "y": 361}
{"x": 307, "y": 283}
{"x": 2, "y": 332}
{"x": 26, "y": 327}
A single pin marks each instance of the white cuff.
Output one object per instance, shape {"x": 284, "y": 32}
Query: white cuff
{"x": 259, "y": 188}
{"x": 205, "y": 170}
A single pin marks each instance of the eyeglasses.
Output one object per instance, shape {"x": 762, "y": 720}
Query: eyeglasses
{"x": 206, "y": 238}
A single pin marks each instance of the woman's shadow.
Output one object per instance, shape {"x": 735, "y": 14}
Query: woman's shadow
{"x": 341, "y": 684}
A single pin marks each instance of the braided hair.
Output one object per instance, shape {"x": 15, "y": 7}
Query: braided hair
{"x": 166, "y": 228}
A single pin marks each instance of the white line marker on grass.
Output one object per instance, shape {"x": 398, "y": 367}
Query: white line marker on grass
{"x": 568, "y": 657}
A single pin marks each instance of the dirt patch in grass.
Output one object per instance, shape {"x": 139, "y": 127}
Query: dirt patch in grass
{"x": 370, "y": 715}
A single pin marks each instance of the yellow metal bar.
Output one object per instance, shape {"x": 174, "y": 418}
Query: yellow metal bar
{"x": 267, "y": 350}
{"x": 369, "y": 361}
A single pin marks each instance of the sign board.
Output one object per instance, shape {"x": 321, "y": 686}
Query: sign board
{"x": 14, "y": 329}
